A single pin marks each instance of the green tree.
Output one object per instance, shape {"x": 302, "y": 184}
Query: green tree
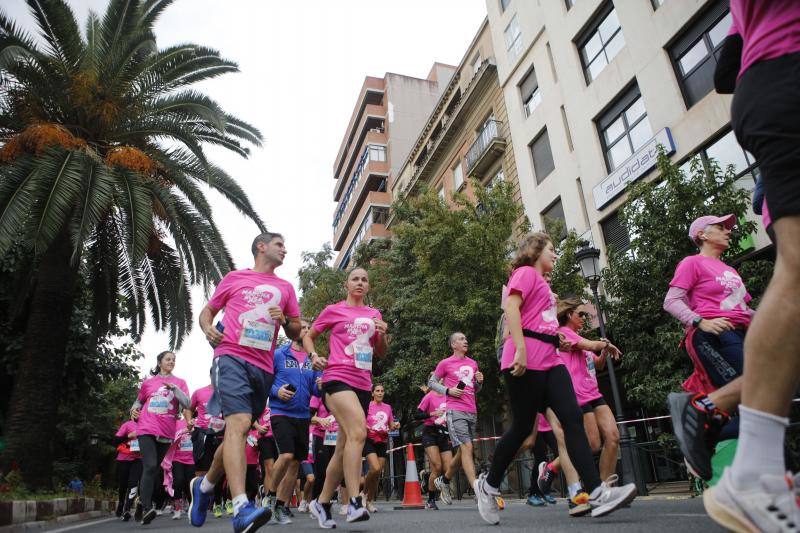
{"x": 657, "y": 216}
{"x": 103, "y": 162}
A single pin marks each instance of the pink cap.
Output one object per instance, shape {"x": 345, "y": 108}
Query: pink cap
{"x": 701, "y": 223}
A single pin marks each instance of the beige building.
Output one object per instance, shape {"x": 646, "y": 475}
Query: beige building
{"x": 593, "y": 86}
{"x": 466, "y": 135}
{"x": 385, "y": 122}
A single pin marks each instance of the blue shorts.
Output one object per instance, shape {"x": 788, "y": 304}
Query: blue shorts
{"x": 306, "y": 469}
{"x": 239, "y": 387}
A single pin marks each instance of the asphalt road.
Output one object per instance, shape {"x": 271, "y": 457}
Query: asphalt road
{"x": 648, "y": 515}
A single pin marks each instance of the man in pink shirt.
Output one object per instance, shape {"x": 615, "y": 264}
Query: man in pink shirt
{"x": 458, "y": 378}
{"x": 256, "y": 303}
{"x": 753, "y": 494}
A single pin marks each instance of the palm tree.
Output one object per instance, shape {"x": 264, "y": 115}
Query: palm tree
{"x": 102, "y": 174}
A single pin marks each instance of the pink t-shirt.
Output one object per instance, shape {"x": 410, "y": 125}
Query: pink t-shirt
{"x": 766, "y": 219}
{"x": 580, "y": 365}
{"x": 769, "y": 29}
{"x": 352, "y": 340}
{"x": 131, "y": 445}
{"x": 264, "y": 420}
{"x": 322, "y": 412}
{"x": 183, "y": 454}
{"x": 714, "y": 289}
{"x": 431, "y": 402}
{"x": 246, "y": 297}
{"x": 455, "y": 369}
{"x": 251, "y": 447}
{"x": 379, "y": 418}
{"x": 542, "y": 426}
{"x": 199, "y": 403}
{"x": 159, "y": 406}
{"x": 538, "y": 313}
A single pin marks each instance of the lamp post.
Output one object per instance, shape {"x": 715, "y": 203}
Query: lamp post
{"x": 589, "y": 261}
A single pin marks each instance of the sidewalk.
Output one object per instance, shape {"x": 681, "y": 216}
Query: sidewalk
{"x": 24, "y": 515}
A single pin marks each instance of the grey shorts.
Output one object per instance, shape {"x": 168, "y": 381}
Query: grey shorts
{"x": 461, "y": 427}
{"x": 239, "y": 387}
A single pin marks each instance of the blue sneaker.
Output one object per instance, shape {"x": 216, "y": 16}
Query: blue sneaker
{"x": 534, "y": 500}
{"x": 549, "y": 498}
{"x": 250, "y": 518}
{"x": 198, "y": 507}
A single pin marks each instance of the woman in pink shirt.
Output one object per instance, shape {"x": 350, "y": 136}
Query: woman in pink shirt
{"x": 129, "y": 467}
{"x": 536, "y": 378}
{"x": 157, "y": 407}
{"x": 325, "y": 432}
{"x": 182, "y": 467}
{"x": 380, "y": 420}
{"x": 357, "y": 333}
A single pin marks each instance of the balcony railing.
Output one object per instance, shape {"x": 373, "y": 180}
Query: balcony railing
{"x": 487, "y": 140}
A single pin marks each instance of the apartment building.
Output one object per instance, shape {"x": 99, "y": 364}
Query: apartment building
{"x": 466, "y": 135}
{"x": 593, "y": 86}
{"x": 385, "y": 122}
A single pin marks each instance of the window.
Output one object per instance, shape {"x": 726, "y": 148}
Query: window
{"x": 377, "y": 152}
{"x": 543, "y": 163}
{"x": 441, "y": 193}
{"x": 499, "y": 177}
{"x": 458, "y": 176}
{"x": 696, "y": 52}
{"x": 615, "y": 234}
{"x": 504, "y": 5}
{"x": 624, "y": 128}
{"x": 513, "y": 39}
{"x": 554, "y": 220}
{"x": 600, "y": 43}
{"x": 726, "y": 151}
{"x": 531, "y": 95}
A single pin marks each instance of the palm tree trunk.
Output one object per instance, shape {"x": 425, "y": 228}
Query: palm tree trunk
{"x": 37, "y": 382}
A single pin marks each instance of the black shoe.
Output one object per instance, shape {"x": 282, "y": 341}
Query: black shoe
{"x": 148, "y": 516}
{"x": 695, "y": 431}
{"x": 119, "y": 510}
{"x": 137, "y": 514}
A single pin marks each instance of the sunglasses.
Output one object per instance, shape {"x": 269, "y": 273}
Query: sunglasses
{"x": 584, "y": 315}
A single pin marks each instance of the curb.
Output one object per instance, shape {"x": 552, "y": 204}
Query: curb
{"x": 17, "y": 513}
{"x": 66, "y": 519}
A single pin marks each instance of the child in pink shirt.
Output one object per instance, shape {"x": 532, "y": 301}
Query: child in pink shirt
{"x": 380, "y": 421}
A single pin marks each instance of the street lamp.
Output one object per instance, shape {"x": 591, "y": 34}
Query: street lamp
{"x": 589, "y": 261}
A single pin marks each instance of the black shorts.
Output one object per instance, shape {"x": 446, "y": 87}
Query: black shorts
{"x": 267, "y": 449}
{"x": 436, "y": 436}
{"x": 591, "y": 405}
{"x": 291, "y": 435}
{"x": 766, "y": 118}
{"x": 239, "y": 387}
{"x": 332, "y": 387}
{"x": 378, "y": 448}
{"x": 203, "y": 448}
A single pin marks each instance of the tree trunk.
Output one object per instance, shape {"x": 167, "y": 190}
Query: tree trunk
{"x": 37, "y": 382}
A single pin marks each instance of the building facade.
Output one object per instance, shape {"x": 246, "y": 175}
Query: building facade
{"x": 385, "y": 122}
{"x": 593, "y": 86}
{"x": 466, "y": 135}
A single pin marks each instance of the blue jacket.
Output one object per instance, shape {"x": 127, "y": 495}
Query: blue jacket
{"x": 288, "y": 370}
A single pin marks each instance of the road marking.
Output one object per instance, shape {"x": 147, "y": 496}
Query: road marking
{"x": 86, "y": 524}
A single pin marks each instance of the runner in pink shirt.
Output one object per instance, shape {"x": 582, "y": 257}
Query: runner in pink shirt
{"x": 267, "y": 450}
{"x": 357, "y": 333}
{"x": 324, "y": 431}
{"x": 581, "y": 361}
{"x": 435, "y": 438}
{"x": 156, "y": 409}
{"x": 536, "y": 378}
{"x": 182, "y": 467}
{"x": 129, "y": 467}
{"x": 380, "y": 420}
{"x": 256, "y": 304}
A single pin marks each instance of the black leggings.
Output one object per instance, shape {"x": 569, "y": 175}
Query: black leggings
{"x": 128, "y": 474}
{"x": 544, "y": 440}
{"x": 531, "y": 394}
{"x": 153, "y": 453}
{"x": 251, "y": 481}
{"x": 182, "y": 474}
{"x": 322, "y": 456}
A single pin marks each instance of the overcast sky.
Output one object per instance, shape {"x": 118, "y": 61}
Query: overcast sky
{"x": 302, "y": 65}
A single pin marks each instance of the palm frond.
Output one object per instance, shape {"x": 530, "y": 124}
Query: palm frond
{"x": 61, "y": 172}
{"x": 60, "y": 30}
{"x": 16, "y": 199}
{"x": 96, "y": 197}
{"x": 133, "y": 199}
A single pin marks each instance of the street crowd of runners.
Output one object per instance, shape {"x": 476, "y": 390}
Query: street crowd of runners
{"x": 277, "y": 423}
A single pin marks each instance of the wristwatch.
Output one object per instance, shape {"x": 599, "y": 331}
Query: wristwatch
{"x": 696, "y": 321}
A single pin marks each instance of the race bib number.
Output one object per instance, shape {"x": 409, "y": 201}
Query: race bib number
{"x": 158, "y": 405}
{"x": 216, "y": 424}
{"x": 186, "y": 445}
{"x": 330, "y": 438}
{"x": 590, "y": 365}
{"x": 257, "y": 335}
{"x": 251, "y": 440}
{"x": 363, "y": 358}
{"x": 134, "y": 445}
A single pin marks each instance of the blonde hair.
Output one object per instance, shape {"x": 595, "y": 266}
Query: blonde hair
{"x": 529, "y": 248}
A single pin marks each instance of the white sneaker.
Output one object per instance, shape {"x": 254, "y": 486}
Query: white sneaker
{"x": 487, "y": 504}
{"x": 769, "y": 506}
{"x": 611, "y": 498}
{"x": 444, "y": 490}
{"x": 359, "y": 514}
{"x": 312, "y": 510}
{"x": 371, "y": 507}
{"x": 324, "y": 521}
{"x": 303, "y": 507}
{"x": 176, "y": 515}
{"x": 343, "y": 509}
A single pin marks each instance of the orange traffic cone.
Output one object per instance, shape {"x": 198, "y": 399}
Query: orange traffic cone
{"x": 412, "y": 495}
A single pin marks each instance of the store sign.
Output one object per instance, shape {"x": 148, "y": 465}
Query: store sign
{"x": 636, "y": 166}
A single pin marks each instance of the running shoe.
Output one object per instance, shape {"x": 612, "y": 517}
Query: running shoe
{"x": 771, "y": 504}
{"x": 357, "y": 513}
{"x": 289, "y": 511}
{"x": 268, "y": 501}
{"x": 198, "y": 506}
{"x": 311, "y": 509}
{"x": 487, "y": 504}
{"x": 695, "y": 432}
{"x": 229, "y": 507}
{"x": 546, "y": 477}
{"x": 149, "y": 515}
{"x": 303, "y": 507}
{"x": 176, "y": 514}
{"x": 324, "y": 519}
{"x": 431, "y": 504}
{"x": 549, "y": 498}
{"x": 250, "y": 518}
{"x": 534, "y": 500}
{"x": 280, "y": 516}
{"x": 137, "y": 514}
{"x": 579, "y": 505}
{"x": 611, "y": 498}
{"x": 343, "y": 509}
{"x": 444, "y": 490}
{"x": 371, "y": 507}
{"x": 218, "y": 511}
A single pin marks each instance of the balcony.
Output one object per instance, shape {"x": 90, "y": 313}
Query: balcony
{"x": 373, "y": 226}
{"x": 372, "y": 192}
{"x": 486, "y": 149}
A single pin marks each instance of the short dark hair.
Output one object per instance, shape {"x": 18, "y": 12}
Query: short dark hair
{"x": 266, "y": 238}
{"x": 452, "y": 338}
